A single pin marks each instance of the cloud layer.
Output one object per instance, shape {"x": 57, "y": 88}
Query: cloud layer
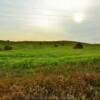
{"x": 49, "y": 20}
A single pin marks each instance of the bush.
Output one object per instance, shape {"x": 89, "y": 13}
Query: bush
{"x": 8, "y": 48}
{"x": 40, "y": 43}
{"x": 78, "y": 46}
{"x": 56, "y": 45}
{"x": 0, "y": 49}
{"x": 62, "y": 44}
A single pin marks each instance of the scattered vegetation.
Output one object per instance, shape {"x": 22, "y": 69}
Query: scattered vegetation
{"x": 56, "y": 45}
{"x": 8, "y": 47}
{"x": 0, "y": 49}
{"x": 40, "y": 43}
{"x": 62, "y": 44}
{"x": 78, "y": 46}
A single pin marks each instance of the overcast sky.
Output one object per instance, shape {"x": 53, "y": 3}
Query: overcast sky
{"x": 75, "y": 20}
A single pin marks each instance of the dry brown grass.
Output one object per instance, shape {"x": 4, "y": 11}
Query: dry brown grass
{"x": 78, "y": 86}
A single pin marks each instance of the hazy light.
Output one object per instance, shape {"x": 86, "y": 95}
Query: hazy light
{"x": 50, "y": 8}
{"x": 67, "y": 4}
{"x": 79, "y": 18}
{"x": 50, "y": 20}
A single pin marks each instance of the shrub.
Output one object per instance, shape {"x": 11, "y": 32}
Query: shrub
{"x": 78, "y": 46}
{"x": 0, "y": 49}
{"x": 62, "y": 44}
{"x": 55, "y": 45}
{"x": 8, "y": 47}
{"x": 40, "y": 43}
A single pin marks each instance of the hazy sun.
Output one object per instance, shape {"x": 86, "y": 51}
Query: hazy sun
{"x": 79, "y": 18}
{"x": 51, "y": 11}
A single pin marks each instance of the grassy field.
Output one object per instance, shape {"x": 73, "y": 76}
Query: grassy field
{"x": 48, "y": 61}
{"x": 47, "y": 56}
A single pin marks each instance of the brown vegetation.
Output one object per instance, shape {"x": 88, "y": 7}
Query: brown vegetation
{"x": 79, "y": 86}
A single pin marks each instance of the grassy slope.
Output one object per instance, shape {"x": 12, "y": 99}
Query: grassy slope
{"x": 32, "y": 71}
{"x": 37, "y": 57}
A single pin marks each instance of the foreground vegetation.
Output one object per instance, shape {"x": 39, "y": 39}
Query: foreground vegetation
{"x": 78, "y": 86}
{"x": 49, "y": 70}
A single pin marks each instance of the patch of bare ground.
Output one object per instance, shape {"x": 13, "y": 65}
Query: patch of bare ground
{"x": 78, "y": 86}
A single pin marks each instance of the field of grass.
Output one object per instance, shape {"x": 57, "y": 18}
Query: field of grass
{"x": 29, "y": 60}
{"x": 46, "y": 56}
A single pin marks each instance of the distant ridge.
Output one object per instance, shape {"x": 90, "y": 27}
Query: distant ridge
{"x": 61, "y": 41}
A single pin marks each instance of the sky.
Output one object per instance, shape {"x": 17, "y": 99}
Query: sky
{"x": 50, "y": 20}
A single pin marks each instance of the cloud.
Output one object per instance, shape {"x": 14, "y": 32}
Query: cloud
{"x": 47, "y": 20}
{"x": 89, "y": 30}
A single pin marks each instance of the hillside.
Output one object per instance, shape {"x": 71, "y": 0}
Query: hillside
{"x": 49, "y": 70}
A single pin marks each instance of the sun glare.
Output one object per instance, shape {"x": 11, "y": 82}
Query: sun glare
{"x": 53, "y": 9}
{"x": 79, "y": 18}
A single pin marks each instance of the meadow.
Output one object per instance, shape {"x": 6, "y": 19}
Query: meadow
{"x": 48, "y": 65}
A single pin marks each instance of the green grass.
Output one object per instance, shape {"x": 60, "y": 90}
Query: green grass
{"x": 33, "y": 57}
